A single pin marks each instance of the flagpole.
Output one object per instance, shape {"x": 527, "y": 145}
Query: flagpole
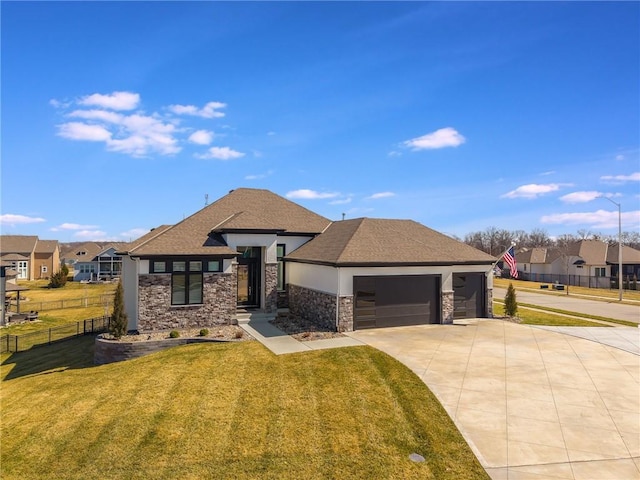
{"x": 513, "y": 244}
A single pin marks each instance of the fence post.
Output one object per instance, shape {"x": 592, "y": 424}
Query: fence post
{"x": 16, "y": 343}
{"x": 49, "y": 336}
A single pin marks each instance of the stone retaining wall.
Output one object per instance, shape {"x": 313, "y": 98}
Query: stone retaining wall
{"x": 110, "y": 351}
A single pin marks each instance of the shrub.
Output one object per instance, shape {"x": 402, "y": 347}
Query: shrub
{"x": 119, "y": 320}
{"x": 204, "y": 332}
{"x": 239, "y": 333}
{"x": 510, "y": 304}
{"x": 174, "y": 334}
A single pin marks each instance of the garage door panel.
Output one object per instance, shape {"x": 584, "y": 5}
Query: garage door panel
{"x": 390, "y": 301}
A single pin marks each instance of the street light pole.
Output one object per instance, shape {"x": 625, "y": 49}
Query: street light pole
{"x": 619, "y": 246}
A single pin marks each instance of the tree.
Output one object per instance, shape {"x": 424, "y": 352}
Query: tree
{"x": 119, "y": 320}
{"x": 510, "y": 304}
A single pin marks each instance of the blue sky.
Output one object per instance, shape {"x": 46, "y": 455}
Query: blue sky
{"x": 119, "y": 117}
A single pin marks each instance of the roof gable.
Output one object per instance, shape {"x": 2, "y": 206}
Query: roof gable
{"x": 46, "y": 246}
{"x": 18, "y": 243}
{"x": 242, "y": 209}
{"x": 369, "y": 241}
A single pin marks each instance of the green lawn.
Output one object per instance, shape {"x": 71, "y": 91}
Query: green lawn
{"x": 223, "y": 411}
{"x": 532, "y": 317}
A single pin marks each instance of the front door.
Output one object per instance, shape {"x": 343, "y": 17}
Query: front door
{"x": 249, "y": 277}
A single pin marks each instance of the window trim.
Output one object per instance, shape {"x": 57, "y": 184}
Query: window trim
{"x": 168, "y": 264}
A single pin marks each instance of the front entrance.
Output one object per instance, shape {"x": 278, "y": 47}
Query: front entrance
{"x": 249, "y": 277}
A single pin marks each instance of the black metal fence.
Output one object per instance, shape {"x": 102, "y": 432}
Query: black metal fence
{"x": 102, "y": 300}
{"x": 628, "y": 282}
{"x": 19, "y": 343}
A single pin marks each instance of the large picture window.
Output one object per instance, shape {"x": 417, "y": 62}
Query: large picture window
{"x": 186, "y": 282}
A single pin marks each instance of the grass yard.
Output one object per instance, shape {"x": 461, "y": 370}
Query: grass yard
{"x": 632, "y": 295}
{"x": 223, "y": 411}
{"x": 532, "y": 317}
{"x": 52, "y": 318}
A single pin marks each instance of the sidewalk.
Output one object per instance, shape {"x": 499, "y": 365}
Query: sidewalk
{"x": 280, "y": 343}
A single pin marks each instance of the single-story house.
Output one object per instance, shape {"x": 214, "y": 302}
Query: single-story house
{"x": 253, "y": 250}
{"x": 31, "y": 257}
{"x": 584, "y": 262}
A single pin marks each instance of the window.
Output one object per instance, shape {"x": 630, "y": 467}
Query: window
{"x": 190, "y": 265}
{"x": 280, "y": 254}
{"x": 600, "y": 271}
{"x": 186, "y": 283}
{"x": 213, "y": 266}
{"x": 158, "y": 267}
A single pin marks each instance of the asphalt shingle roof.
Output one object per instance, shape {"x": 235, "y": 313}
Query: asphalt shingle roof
{"x": 18, "y": 243}
{"x": 241, "y": 209}
{"x": 370, "y": 241}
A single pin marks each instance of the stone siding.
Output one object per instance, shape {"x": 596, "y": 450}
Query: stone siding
{"x": 155, "y": 311}
{"x": 271, "y": 287}
{"x": 345, "y": 316}
{"x": 489, "y": 302}
{"x": 447, "y": 306}
{"x": 320, "y": 308}
{"x": 283, "y": 298}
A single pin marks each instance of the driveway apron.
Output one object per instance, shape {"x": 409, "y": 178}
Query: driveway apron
{"x": 531, "y": 403}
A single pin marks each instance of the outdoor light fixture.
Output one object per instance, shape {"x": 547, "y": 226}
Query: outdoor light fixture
{"x": 619, "y": 245}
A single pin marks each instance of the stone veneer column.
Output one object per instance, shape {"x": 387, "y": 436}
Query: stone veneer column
{"x": 271, "y": 287}
{"x": 447, "y": 306}
{"x": 313, "y": 306}
{"x": 489, "y": 302}
{"x": 345, "y": 314}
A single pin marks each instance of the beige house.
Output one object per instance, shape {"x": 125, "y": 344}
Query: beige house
{"x": 252, "y": 252}
{"x": 30, "y": 257}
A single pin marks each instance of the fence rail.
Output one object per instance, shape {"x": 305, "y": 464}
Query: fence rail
{"x": 102, "y": 300}
{"x": 19, "y": 343}
{"x": 628, "y": 282}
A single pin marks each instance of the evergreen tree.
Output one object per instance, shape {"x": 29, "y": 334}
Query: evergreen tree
{"x": 119, "y": 320}
{"x": 510, "y": 304}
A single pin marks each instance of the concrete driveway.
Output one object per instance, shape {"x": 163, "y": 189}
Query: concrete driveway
{"x": 532, "y": 403}
{"x": 611, "y": 309}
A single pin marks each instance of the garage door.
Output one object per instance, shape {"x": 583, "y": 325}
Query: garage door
{"x": 393, "y": 301}
{"x": 469, "y": 295}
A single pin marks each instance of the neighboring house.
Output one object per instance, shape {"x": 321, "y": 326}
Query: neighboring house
{"x": 91, "y": 261}
{"x": 593, "y": 260}
{"x": 31, "y": 257}
{"x": 253, "y": 250}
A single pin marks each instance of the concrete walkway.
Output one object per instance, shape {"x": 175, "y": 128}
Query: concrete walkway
{"x": 611, "y": 309}
{"x": 280, "y": 343}
{"x": 532, "y": 403}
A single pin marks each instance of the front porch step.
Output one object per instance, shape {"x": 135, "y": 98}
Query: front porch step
{"x": 245, "y": 316}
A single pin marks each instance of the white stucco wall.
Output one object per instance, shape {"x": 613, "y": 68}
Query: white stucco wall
{"x": 331, "y": 279}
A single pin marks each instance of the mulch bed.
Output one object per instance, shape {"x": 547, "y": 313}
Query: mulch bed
{"x": 302, "y": 330}
{"x": 222, "y": 332}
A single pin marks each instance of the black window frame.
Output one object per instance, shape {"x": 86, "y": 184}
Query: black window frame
{"x": 281, "y": 264}
{"x": 188, "y": 282}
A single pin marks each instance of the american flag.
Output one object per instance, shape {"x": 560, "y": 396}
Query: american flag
{"x": 510, "y": 258}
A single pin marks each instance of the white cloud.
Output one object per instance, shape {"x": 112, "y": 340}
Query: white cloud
{"x": 619, "y": 157}
{"x": 442, "y": 138}
{"x": 59, "y": 104}
{"x": 114, "y": 101}
{"x": 343, "y": 201}
{"x": 533, "y": 190}
{"x": 91, "y": 235}
{"x": 546, "y": 174}
{"x": 376, "y": 196}
{"x": 271, "y": 134}
{"x": 210, "y": 110}
{"x": 84, "y": 131}
{"x": 580, "y": 197}
{"x": 597, "y": 219}
{"x": 307, "y": 194}
{"x": 201, "y": 137}
{"x": 634, "y": 177}
{"x": 11, "y": 219}
{"x": 100, "y": 115}
{"x": 394, "y": 153}
{"x": 220, "y": 153}
{"x": 72, "y": 226}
